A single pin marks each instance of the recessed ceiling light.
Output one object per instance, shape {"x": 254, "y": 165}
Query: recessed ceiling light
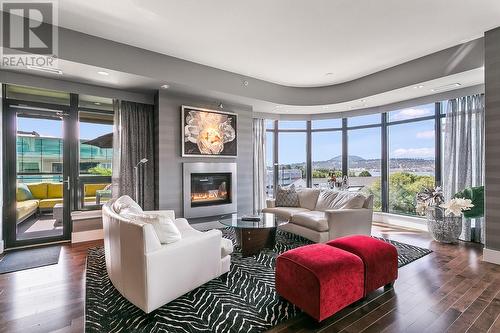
{"x": 326, "y": 106}
{"x": 420, "y": 86}
{"x": 165, "y": 86}
{"x": 103, "y": 73}
{"x": 362, "y": 100}
{"x": 446, "y": 87}
{"x": 97, "y": 103}
{"x": 45, "y": 69}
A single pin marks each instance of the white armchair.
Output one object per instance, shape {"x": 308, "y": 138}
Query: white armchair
{"x": 150, "y": 274}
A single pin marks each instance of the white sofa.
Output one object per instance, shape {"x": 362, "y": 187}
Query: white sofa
{"x": 324, "y": 215}
{"x": 150, "y": 274}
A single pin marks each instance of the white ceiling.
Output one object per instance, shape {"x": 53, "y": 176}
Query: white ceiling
{"x": 452, "y": 82}
{"x": 289, "y": 42}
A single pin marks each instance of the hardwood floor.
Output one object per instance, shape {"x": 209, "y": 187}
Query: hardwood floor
{"x": 450, "y": 290}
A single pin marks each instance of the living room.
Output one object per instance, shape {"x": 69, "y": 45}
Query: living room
{"x": 248, "y": 167}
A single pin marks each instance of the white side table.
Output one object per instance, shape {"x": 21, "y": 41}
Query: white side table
{"x": 57, "y": 214}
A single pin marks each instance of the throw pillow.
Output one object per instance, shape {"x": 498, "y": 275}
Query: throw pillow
{"x": 23, "y": 193}
{"x": 126, "y": 202}
{"x": 355, "y": 202}
{"x": 164, "y": 226}
{"x": 287, "y": 197}
{"x": 326, "y": 200}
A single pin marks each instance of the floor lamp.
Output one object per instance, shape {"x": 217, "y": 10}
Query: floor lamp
{"x": 136, "y": 172}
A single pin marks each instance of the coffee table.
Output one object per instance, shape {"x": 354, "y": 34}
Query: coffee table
{"x": 253, "y": 236}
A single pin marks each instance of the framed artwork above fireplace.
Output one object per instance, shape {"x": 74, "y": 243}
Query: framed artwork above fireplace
{"x": 209, "y": 133}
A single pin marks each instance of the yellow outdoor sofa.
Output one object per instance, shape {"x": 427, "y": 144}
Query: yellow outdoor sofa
{"x": 37, "y": 197}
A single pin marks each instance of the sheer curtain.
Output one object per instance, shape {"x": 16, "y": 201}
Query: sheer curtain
{"x": 133, "y": 139}
{"x": 464, "y": 155}
{"x": 259, "y": 164}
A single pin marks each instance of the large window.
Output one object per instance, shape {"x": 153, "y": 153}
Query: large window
{"x": 365, "y": 168}
{"x": 270, "y": 164}
{"x": 96, "y": 155}
{"x": 412, "y": 151}
{"x": 326, "y": 156}
{"x": 292, "y": 159}
{"x": 390, "y": 155}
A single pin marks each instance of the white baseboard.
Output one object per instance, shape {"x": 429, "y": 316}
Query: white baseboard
{"x": 85, "y": 236}
{"x": 401, "y": 220}
{"x": 1, "y": 246}
{"x": 492, "y": 256}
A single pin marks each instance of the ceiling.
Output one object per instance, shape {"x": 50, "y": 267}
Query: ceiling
{"x": 293, "y": 43}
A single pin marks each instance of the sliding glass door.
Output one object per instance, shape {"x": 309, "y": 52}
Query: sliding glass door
{"x": 57, "y": 157}
{"x": 37, "y": 189}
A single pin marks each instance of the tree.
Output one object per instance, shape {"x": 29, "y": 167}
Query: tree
{"x": 403, "y": 188}
{"x": 100, "y": 171}
{"x": 364, "y": 173}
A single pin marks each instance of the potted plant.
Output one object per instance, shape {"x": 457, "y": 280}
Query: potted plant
{"x": 444, "y": 219}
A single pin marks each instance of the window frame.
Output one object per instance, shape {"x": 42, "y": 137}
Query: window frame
{"x": 384, "y": 126}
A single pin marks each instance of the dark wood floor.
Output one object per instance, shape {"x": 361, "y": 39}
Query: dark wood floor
{"x": 449, "y": 290}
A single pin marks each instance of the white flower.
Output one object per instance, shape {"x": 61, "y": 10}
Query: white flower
{"x": 456, "y": 206}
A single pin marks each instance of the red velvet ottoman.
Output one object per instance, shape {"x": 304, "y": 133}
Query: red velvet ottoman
{"x": 380, "y": 259}
{"x": 319, "y": 279}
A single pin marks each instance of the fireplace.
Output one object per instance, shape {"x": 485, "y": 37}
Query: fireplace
{"x": 209, "y": 189}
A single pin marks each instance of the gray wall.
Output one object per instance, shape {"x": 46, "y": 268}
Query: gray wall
{"x": 492, "y": 161}
{"x": 169, "y": 151}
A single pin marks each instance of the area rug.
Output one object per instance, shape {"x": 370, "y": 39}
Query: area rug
{"x": 19, "y": 260}
{"x": 245, "y": 302}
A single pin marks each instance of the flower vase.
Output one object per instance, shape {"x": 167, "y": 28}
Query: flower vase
{"x": 444, "y": 229}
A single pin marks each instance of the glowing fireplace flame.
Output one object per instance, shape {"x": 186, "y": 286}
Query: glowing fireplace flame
{"x": 209, "y": 195}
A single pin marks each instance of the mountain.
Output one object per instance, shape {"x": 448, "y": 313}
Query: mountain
{"x": 357, "y": 162}
{"x": 352, "y": 158}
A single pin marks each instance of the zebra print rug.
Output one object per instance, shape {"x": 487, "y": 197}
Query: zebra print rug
{"x": 245, "y": 302}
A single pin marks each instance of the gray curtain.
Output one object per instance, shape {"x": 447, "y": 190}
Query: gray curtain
{"x": 464, "y": 155}
{"x": 133, "y": 140}
{"x": 259, "y": 164}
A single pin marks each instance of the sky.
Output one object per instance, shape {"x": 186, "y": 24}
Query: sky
{"x": 53, "y": 128}
{"x": 413, "y": 140}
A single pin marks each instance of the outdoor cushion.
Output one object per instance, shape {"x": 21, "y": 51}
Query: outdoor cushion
{"x": 39, "y": 190}
{"x": 54, "y": 190}
{"x": 23, "y": 192}
{"x": 308, "y": 197}
{"x": 287, "y": 197}
{"x": 90, "y": 189}
{"x": 314, "y": 220}
{"x": 284, "y": 212}
{"x": 50, "y": 203}
{"x": 25, "y": 209}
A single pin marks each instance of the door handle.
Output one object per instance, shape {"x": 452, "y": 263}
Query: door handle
{"x": 68, "y": 185}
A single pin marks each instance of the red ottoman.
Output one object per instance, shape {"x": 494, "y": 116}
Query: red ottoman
{"x": 319, "y": 279}
{"x": 380, "y": 259}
